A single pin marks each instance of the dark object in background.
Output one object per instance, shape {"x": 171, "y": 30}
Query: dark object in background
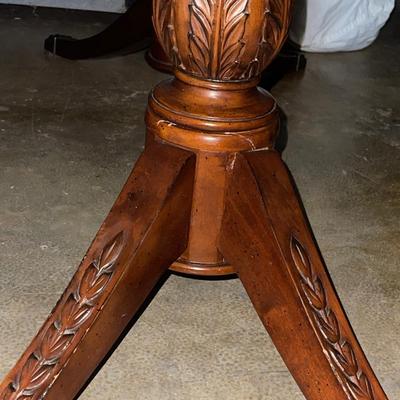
{"x": 119, "y": 38}
{"x": 290, "y": 60}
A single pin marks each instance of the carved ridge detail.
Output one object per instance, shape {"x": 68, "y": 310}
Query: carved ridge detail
{"x": 36, "y": 374}
{"x": 221, "y": 44}
{"x": 200, "y": 35}
{"x": 274, "y": 29}
{"x": 234, "y": 17}
{"x": 164, "y": 26}
{"x": 228, "y": 38}
{"x": 339, "y": 351}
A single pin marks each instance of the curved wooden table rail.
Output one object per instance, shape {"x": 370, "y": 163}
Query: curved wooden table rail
{"x": 209, "y": 196}
{"x": 130, "y": 32}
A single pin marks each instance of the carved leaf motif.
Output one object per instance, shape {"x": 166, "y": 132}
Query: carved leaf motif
{"x": 91, "y": 284}
{"x": 200, "y": 35}
{"x": 55, "y": 341}
{"x": 73, "y": 315}
{"x": 362, "y": 390}
{"x": 233, "y": 28}
{"x": 347, "y": 359}
{"x": 329, "y": 326}
{"x": 53, "y": 345}
{"x": 161, "y": 15}
{"x": 340, "y": 350}
{"x": 105, "y": 263}
{"x": 315, "y": 294}
{"x": 301, "y": 259}
{"x": 275, "y": 27}
{"x": 217, "y": 36}
{"x": 164, "y": 26}
{"x": 32, "y": 376}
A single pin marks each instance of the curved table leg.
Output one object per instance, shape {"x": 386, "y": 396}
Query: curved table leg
{"x": 267, "y": 239}
{"x": 131, "y": 32}
{"x": 133, "y": 249}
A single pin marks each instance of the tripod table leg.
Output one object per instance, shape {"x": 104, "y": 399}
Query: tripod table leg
{"x": 145, "y": 231}
{"x": 267, "y": 239}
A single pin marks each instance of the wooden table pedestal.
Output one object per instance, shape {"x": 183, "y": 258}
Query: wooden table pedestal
{"x": 209, "y": 196}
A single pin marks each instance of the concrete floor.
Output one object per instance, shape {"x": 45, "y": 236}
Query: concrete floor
{"x": 70, "y": 132}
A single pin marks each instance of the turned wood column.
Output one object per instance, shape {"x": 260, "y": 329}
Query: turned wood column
{"x": 213, "y": 106}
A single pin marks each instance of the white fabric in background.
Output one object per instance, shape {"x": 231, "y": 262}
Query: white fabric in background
{"x": 338, "y": 25}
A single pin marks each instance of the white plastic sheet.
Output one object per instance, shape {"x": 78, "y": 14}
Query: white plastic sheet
{"x": 338, "y": 25}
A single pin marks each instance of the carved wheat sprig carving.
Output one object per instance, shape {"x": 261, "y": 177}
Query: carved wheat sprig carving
{"x": 36, "y": 374}
{"x": 340, "y": 351}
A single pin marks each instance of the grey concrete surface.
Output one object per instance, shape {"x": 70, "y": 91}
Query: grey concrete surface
{"x": 69, "y": 135}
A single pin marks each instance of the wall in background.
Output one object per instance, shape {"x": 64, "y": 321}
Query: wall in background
{"x": 95, "y": 5}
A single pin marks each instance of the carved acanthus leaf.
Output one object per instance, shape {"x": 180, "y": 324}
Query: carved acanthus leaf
{"x": 164, "y": 26}
{"x": 274, "y": 30}
{"x": 220, "y": 43}
{"x": 200, "y": 35}
{"x": 234, "y": 16}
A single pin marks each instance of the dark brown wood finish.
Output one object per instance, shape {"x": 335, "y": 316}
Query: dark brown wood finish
{"x": 211, "y": 197}
{"x": 157, "y": 58}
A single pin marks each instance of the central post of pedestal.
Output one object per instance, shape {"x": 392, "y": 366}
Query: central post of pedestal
{"x": 213, "y": 106}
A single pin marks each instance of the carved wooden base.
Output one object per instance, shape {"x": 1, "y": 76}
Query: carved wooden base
{"x": 209, "y": 196}
{"x": 258, "y": 230}
{"x": 133, "y": 248}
